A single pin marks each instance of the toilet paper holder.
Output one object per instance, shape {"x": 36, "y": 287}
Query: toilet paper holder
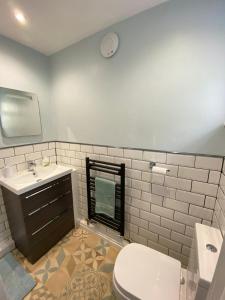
{"x": 152, "y": 164}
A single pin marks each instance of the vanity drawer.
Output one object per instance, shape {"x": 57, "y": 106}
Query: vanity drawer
{"x": 50, "y": 236}
{"x": 41, "y": 196}
{"x": 51, "y": 226}
{"x": 38, "y": 218}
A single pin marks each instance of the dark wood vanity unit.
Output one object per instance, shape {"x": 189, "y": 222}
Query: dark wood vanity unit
{"x": 38, "y": 219}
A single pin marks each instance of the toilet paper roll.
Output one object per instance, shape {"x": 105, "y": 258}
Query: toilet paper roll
{"x": 159, "y": 170}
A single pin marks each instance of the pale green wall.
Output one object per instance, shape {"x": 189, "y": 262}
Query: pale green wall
{"x": 25, "y": 69}
{"x": 164, "y": 89}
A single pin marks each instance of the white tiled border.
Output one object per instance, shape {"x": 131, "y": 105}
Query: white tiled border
{"x": 160, "y": 211}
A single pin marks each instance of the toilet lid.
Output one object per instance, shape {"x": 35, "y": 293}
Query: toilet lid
{"x": 143, "y": 273}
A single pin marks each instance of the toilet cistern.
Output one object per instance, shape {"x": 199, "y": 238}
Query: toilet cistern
{"x": 205, "y": 250}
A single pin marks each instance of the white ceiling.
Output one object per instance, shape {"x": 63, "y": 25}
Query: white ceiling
{"x": 55, "y": 24}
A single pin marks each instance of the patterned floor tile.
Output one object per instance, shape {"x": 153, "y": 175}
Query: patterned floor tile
{"x": 79, "y": 267}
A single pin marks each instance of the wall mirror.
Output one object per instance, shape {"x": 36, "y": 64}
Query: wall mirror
{"x": 19, "y": 113}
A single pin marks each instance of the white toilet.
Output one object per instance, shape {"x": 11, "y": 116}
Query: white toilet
{"x": 143, "y": 273}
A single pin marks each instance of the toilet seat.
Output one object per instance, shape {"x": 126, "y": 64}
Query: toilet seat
{"x": 143, "y": 273}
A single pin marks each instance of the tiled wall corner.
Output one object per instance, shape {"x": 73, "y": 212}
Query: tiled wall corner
{"x": 219, "y": 213}
{"x": 160, "y": 210}
{"x": 17, "y": 157}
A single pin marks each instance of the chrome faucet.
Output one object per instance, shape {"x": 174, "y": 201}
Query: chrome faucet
{"x": 31, "y": 166}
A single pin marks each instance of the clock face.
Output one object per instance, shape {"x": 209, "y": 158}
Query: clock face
{"x": 109, "y": 44}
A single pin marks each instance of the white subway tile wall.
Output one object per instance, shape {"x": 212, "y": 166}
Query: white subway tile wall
{"x": 17, "y": 158}
{"x": 160, "y": 211}
{"x": 219, "y": 204}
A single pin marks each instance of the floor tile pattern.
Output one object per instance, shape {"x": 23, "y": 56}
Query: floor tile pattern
{"x": 79, "y": 267}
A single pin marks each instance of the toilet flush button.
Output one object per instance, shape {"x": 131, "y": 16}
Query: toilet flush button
{"x": 211, "y": 248}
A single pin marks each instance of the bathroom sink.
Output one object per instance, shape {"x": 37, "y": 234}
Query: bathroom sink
{"x": 25, "y": 181}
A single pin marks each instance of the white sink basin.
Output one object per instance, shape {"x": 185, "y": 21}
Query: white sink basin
{"x": 25, "y": 181}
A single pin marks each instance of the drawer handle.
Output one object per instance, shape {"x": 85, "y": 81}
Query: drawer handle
{"x": 60, "y": 197}
{"x": 66, "y": 179}
{"x": 38, "y": 192}
{"x": 48, "y": 187}
{"x": 43, "y": 206}
{"x": 67, "y": 193}
{"x": 47, "y": 204}
{"x": 54, "y": 200}
{"x": 34, "y": 212}
{"x": 38, "y": 209}
{"x": 41, "y": 228}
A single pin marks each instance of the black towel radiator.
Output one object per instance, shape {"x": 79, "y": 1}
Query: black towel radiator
{"x": 116, "y": 223}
